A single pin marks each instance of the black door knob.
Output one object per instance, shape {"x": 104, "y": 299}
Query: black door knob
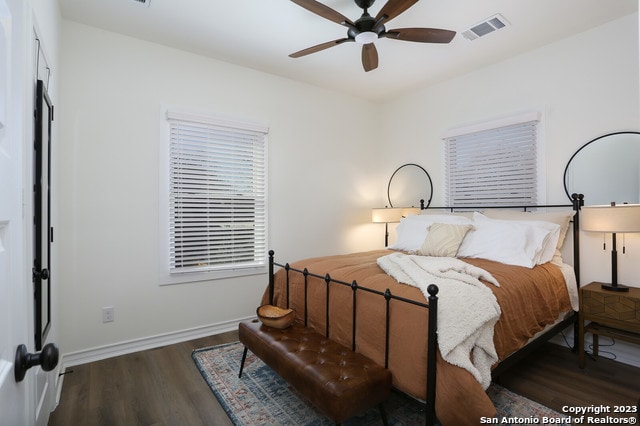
{"x": 42, "y": 274}
{"x": 47, "y": 359}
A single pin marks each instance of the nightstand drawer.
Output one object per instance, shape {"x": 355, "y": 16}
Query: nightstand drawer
{"x": 621, "y": 310}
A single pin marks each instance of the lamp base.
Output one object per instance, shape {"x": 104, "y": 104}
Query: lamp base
{"x": 614, "y": 287}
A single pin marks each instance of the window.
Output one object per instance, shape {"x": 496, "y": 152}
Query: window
{"x": 496, "y": 163}
{"x": 214, "y": 198}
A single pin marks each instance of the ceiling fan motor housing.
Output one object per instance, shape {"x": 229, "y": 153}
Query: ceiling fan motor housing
{"x": 365, "y": 30}
{"x": 364, "y": 4}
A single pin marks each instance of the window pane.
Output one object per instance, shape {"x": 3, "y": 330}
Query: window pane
{"x": 217, "y": 196}
{"x": 493, "y": 167}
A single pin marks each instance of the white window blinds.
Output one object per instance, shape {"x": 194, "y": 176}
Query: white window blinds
{"x": 496, "y": 166}
{"x": 217, "y": 194}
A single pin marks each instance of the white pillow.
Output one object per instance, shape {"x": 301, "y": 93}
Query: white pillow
{"x": 550, "y": 242}
{"x": 561, "y": 218}
{"x": 514, "y": 242}
{"x": 412, "y": 230}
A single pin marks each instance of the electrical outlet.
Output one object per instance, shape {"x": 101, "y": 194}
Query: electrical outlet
{"x": 107, "y": 314}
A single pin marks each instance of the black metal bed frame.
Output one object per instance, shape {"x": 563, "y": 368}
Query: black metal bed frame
{"x": 432, "y": 336}
{"x": 432, "y": 342}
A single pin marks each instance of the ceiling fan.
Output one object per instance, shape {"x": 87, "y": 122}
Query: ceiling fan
{"x": 367, "y": 29}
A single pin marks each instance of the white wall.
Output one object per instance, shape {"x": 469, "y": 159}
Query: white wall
{"x": 330, "y": 159}
{"x": 321, "y": 185}
{"x": 584, "y": 88}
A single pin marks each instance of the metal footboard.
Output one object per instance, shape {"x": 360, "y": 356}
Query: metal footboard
{"x": 431, "y": 306}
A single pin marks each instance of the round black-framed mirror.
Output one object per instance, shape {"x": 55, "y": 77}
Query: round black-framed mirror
{"x": 409, "y": 184}
{"x": 606, "y": 169}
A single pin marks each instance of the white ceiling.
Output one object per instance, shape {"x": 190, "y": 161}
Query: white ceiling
{"x": 260, "y": 34}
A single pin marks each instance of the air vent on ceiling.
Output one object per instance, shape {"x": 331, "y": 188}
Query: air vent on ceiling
{"x": 489, "y": 25}
{"x": 144, "y": 3}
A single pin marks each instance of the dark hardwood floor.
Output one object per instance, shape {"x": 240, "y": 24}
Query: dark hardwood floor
{"x": 163, "y": 386}
{"x": 160, "y": 386}
{"x": 551, "y": 376}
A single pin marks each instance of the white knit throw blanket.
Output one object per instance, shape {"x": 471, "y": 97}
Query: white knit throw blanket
{"x": 467, "y": 309}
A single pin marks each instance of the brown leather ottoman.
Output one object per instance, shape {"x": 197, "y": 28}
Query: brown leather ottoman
{"x": 340, "y": 382}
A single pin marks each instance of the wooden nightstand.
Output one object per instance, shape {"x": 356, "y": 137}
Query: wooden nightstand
{"x": 611, "y": 314}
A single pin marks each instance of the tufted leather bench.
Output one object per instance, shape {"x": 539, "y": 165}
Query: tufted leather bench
{"x": 337, "y": 380}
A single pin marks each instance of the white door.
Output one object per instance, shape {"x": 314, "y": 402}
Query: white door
{"x": 25, "y": 398}
{"x": 16, "y": 399}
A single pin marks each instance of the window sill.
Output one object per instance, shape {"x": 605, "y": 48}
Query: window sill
{"x": 190, "y": 277}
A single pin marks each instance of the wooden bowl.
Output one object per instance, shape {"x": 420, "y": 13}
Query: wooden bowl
{"x": 275, "y": 316}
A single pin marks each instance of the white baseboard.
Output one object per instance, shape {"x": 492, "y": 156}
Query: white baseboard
{"x": 123, "y": 348}
{"x": 626, "y": 353}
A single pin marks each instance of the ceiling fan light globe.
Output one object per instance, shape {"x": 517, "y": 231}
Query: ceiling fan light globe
{"x": 366, "y": 37}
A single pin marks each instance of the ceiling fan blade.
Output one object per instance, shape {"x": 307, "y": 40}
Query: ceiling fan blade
{"x": 369, "y": 57}
{"x": 324, "y": 11}
{"x": 394, "y": 8}
{"x": 319, "y": 47}
{"x": 421, "y": 35}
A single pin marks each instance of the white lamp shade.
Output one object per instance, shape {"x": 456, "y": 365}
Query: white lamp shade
{"x": 386, "y": 215}
{"x": 622, "y": 218}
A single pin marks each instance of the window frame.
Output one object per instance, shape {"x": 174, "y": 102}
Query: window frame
{"x": 166, "y": 275}
{"x": 492, "y": 125}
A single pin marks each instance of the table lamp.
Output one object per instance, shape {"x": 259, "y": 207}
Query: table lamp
{"x": 621, "y": 218}
{"x": 389, "y": 215}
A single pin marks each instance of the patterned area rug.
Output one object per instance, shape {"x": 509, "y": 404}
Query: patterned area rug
{"x": 261, "y": 397}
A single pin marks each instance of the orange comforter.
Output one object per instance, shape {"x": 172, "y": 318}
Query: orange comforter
{"x": 530, "y": 299}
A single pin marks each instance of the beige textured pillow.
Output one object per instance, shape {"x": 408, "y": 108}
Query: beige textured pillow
{"x": 444, "y": 239}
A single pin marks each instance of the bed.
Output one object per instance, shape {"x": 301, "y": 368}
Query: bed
{"x": 534, "y": 301}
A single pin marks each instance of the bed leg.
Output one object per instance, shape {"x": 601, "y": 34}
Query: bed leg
{"x": 432, "y": 339}
{"x": 383, "y": 414}
{"x": 244, "y": 356}
{"x": 576, "y": 337}
{"x": 271, "y": 278}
